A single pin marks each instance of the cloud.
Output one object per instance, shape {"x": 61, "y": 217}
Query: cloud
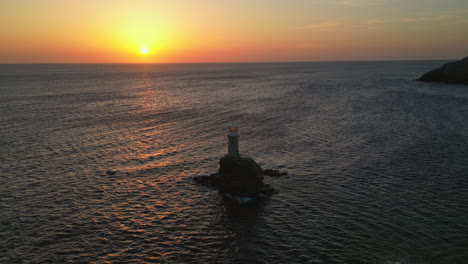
{"x": 422, "y": 19}
{"x": 361, "y": 2}
{"x": 371, "y": 23}
{"x": 462, "y": 21}
{"x": 321, "y": 25}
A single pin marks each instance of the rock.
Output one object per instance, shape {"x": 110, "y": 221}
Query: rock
{"x": 241, "y": 176}
{"x": 111, "y": 172}
{"x": 454, "y": 72}
{"x": 274, "y": 173}
{"x": 237, "y": 177}
{"x": 212, "y": 181}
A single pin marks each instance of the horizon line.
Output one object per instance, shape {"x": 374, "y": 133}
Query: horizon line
{"x": 226, "y": 62}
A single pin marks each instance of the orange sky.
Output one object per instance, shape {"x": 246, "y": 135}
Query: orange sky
{"x": 105, "y": 31}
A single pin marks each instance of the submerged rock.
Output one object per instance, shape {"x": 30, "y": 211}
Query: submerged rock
{"x": 239, "y": 178}
{"x": 211, "y": 181}
{"x": 454, "y": 72}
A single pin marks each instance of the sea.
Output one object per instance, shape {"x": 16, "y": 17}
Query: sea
{"x": 97, "y": 163}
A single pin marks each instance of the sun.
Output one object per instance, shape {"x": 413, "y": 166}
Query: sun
{"x": 144, "y": 50}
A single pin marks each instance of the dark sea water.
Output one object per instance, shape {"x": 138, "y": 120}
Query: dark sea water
{"x": 378, "y": 163}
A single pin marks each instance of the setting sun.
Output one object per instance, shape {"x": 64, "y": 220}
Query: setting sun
{"x": 144, "y": 50}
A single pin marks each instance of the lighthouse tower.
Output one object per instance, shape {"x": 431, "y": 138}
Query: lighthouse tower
{"x": 233, "y": 142}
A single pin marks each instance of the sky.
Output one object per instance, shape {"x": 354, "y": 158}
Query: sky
{"x": 178, "y": 31}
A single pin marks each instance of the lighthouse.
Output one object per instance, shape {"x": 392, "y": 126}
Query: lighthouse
{"x": 239, "y": 179}
{"x": 233, "y": 142}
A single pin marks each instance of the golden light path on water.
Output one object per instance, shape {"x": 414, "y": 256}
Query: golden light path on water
{"x": 156, "y": 147}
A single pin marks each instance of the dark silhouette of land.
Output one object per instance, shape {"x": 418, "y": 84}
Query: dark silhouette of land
{"x": 237, "y": 176}
{"x": 454, "y": 72}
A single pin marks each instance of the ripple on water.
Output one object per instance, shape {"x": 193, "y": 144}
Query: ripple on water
{"x": 96, "y": 164}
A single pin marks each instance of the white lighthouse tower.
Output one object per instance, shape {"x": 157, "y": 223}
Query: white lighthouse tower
{"x": 233, "y": 142}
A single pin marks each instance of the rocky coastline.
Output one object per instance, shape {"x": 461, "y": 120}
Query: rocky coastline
{"x": 453, "y": 73}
